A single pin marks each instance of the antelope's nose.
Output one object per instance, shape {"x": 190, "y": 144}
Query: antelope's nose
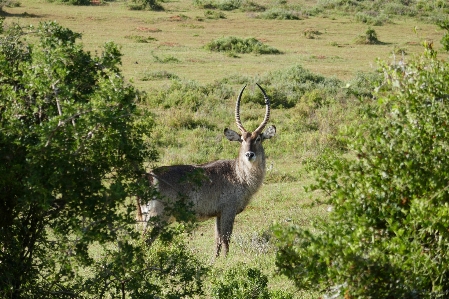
{"x": 250, "y": 155}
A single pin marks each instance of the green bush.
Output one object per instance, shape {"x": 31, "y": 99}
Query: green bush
{"x": 213, "y": 14}
{"x": 242, "y": 282}
{"x": 361, "y": 86}
{"x": 229, "y": 4}
{"x": 73, "y": 148}
{"x": 371, "y": 19}
{"x": 288, "y": 86}
{"x": 159, "y": 75}
{"x": 281, "y": 14}
{"x": 240, "y": 45}
{"x": 189, "y": 95}
{"x": 369, "y": 38}
{"x": 73, "y": 2}
{"x": 166, "y": 59}
{"x": 205, "y": 4}
{"x": 387, "y": 234}
{"x": 251, "y": 6}
{"x": 368, "y": 9}
{"x": 143, "y": 5}
{"x": 445, "y": 39}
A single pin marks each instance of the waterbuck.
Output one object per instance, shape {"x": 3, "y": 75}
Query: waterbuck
{"x": 220, "y": 189}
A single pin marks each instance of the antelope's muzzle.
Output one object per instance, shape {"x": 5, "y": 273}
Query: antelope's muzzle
{"x": 251, "y": 156}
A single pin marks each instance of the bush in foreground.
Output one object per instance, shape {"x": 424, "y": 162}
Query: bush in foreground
{"x": 243, "y": 282}
{"x": 387, "y": 235}
{"x": 73, "y": 142}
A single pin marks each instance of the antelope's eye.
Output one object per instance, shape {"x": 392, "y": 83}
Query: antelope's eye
{"x": 258, "y": 139}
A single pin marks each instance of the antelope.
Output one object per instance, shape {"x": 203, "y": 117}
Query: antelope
{"x": 222, "y": 188}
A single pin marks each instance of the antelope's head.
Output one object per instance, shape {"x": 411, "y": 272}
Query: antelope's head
{"x": 251, "y": 149}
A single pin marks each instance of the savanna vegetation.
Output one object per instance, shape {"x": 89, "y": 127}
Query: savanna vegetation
{"x": 355, "y": 201}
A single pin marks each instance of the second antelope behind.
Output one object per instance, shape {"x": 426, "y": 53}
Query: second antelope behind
{"x": 220, "y": 189}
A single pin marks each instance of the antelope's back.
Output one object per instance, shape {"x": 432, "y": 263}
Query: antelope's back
{"x": 209, "y": 187}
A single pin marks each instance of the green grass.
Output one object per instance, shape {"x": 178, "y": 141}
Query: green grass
{"x": 313, "y": 85}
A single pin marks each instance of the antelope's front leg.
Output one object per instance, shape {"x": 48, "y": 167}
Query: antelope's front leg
{"x": 218, "y": 238}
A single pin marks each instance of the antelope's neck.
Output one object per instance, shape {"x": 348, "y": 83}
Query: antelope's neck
{"x": 251, "y": 174}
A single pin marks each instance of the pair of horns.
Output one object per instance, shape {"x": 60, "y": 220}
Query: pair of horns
{"x": 267, "y": 112}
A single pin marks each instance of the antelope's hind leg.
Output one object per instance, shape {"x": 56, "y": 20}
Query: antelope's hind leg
{"x": 224, "y": 226}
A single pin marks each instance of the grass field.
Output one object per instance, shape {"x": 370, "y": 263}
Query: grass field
{"x": 171, "y": 43}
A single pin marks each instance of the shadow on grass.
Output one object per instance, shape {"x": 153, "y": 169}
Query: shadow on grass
{"x": 6, "y": 14}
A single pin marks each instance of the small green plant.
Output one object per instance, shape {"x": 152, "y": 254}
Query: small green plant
{"x": 250, "y": 6}
{"x": 281, "y": 14}
{"x": 369, "y": 38}
{"x": 229, "y": 4}
{"x": 190, "y": 95}
{"x": 158, "y": 75}
{"x": 214, "y": 14}
{"x": 310, "y": 33}
{"x": 182, "y": 120}
{"x": 166, "y": 59}
{"x": 145, "y": 5}
{"x": 445, "y": 39}
{"x": 226, "y": 5}
{"x": 73, "y": 2}
{"x": 140, "y": 39}
{"x": 240, "y": 45}
{"x": 242, "y": 282}
{"x": 369, "y": 18}
{"x": 205, "y": 4}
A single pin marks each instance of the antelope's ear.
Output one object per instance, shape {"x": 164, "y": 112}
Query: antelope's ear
{"x": 269, "y": 132}
{"x": 232, "y": 135}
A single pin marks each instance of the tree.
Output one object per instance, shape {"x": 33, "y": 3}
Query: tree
{"x": 73, "y": 141}
{"x": 387, "y": 236}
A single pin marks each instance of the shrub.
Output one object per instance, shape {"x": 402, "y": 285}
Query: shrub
{"x": 212, "y": 14}
{"x": 190, "y": 95}
{"x": 73, "y": 148}
{"x": 145, "y": 5}
{"x": 229, "y": 4}
{"x": 241, "y": 282}
{"x": 399, "y": 9}
{"x": 140, "y": 39}
{"x": 373, "y": 19}
{"x": 68, "y": 122}
{"x": 159, "y": 75}
{"x": 166, "y": 59}
{"x": 310, "y": 33}
{"x": 206, "y": 4}
{"x": 445, "y": 39}
{"x": 361, "y": 86}
{"x": 239, "y": 45}
{"x": 370, "y": 38}
{"x": 281, "y": 14}
{"x": 251, "y": 6}
{"x": 387, "y": 235}
{"x": 73, "y": 2}
{"x": 288, "y": 86}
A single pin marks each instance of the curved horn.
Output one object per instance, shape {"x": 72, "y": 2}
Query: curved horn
{"x": 237, "y": 112}
{"x": 267, "y": 112}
